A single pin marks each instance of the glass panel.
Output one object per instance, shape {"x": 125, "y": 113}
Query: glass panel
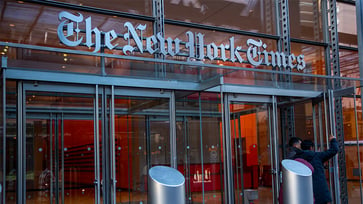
{"x": 305, "y": 19}
{"x": 53, "y": 61}
{"x": 142, "y": 134}
{"x": 254, "y": 16}
{"x": 353, "y": 152}
{"x": 313, "y": 57}
{"x": 60, "y": 148}
{"x": 211, "y": 39}
{"x": 251, "y": 152}
{"x": 29, "y": 23}
{"x": 303, "y": 116}
{"x": 11, "y": 145}
{"x": 141, "y": 7}
{"x": 347, "y": 24}
{"x": 199, "y": 147}
{"x": 349, "y": 63}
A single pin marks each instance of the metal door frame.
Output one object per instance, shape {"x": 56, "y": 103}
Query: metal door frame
{"x": 227, "y": 143}
{"x": 97, "y": 91}
{"x": 22, "y": 88}
{"x": 112, "y": 91}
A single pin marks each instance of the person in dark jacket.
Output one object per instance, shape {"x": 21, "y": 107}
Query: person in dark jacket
{"x": 294, "y": 146}
{"x": 320, "y": 185}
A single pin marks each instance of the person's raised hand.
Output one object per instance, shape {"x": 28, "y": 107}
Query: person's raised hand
{"x": 331, "y": 137}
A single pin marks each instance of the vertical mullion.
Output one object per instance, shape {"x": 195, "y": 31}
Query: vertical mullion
{"x": 201, "y": 141}
{"x": 4, "y": 134}
{"x": 315, "y": 131}
{"x": 96, "y": 148}
{"x": 275, "y": 145}
{"x": 228, "y": 152}
{"x": 112, "y": 145}
{"x": 358, "y": 150}
{"x": 62, "y": 156}
{"x": 51, "y": 156}
{"x": 270, "y": 127}
{"x": 56, "y": 156}
{"x": 173, "y": 152}
{"x": 21, "y": 144}
{"x": 320, "y": 126}
{"x": 105, "y": 147}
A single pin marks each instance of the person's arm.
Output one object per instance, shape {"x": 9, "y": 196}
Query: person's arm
{"x": 332, "y": 151}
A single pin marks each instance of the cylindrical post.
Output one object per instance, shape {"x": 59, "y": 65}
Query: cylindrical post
{"x": 297, "y": 183}
{"x": 166, "y": 185}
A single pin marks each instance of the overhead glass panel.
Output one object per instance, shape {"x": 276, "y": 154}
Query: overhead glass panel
{"x": 253, "y": 16}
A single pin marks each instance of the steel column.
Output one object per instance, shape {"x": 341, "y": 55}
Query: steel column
{"x": 334, "y": 61}
{"x": 158, "y": 13}
{"x": 287, "y": 121}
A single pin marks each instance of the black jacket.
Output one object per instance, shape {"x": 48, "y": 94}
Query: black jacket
{"x": 317, "y": 160}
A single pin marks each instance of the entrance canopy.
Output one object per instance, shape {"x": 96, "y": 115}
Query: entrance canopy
{"x": 65, "y": 65}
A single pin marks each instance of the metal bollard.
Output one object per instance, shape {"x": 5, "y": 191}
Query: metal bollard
{"x": 166, "y": 185}
{"x": 250, "y": 195}
{"x": 297, "y": 183}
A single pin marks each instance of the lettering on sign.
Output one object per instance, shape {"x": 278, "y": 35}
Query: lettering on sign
{"x": 69, "y": 34}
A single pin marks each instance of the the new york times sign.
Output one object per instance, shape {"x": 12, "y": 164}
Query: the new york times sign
{"x": 69, "y": 32}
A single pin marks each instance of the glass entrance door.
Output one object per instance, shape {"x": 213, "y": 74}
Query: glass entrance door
{"x": 59, "y": 143}
{"x": 71, "y": 158}
{"x": 142, "y": 139}
{"x": 251, "y": 125}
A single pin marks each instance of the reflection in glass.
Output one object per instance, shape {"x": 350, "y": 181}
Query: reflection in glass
{"x": 349, "y": 63}
{"x": 29, "y": 23}
{"x": 313, "y": 57}
{"x": 305, "y": 19}
{"x": 353, "y": 150}
{"x": 347, "y": 21}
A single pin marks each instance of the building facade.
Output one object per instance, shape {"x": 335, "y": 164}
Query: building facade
{"x": 94, "y": 93}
